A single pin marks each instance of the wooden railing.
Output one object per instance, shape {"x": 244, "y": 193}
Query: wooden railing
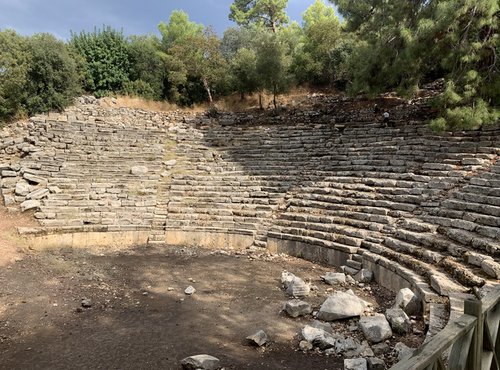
{"x": 474, "y": 340}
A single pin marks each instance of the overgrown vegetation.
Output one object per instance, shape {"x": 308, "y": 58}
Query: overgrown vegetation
{"x": 376, "y": 46}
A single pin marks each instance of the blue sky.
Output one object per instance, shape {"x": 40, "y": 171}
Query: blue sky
{"x": 59, "y": 17}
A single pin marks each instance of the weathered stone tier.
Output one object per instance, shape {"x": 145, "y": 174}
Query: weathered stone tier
{"x": 419, "y": 209}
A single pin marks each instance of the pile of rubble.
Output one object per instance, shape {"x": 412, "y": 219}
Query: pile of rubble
{"x": 345, "y": 325}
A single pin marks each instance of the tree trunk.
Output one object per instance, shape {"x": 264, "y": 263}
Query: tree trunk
{"x": 242, "y": 96}
{"x": 260, "y": 101}
{"x": 207, "y": 87}
{"x": 274, "y": 99}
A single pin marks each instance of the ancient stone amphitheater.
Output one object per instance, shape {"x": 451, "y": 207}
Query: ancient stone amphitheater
{"x": 420, "y": 210}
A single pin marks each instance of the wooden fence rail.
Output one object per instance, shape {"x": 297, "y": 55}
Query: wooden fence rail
{"x": 474, "y": 340}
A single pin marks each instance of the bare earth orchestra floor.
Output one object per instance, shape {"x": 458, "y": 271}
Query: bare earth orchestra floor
{"x": 140, "y": 317}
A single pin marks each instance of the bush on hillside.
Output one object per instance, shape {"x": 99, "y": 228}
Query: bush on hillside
{"x": 52, "y": 78}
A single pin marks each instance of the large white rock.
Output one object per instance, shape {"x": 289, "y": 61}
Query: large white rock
{"x": 341, "y": 305}
{"x": 334, "y": 278}
{"x": 375, "y": 328}
{"x": 408, "y": 301}
{"x": 203, "y": 362}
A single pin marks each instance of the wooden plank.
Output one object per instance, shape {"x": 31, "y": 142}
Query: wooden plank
{"x": 475, "y": 308}
{"x": 429, "y": 353}
{"x": 460, "y": 351}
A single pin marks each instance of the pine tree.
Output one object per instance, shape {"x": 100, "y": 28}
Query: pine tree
{"x": 269, "y": 13}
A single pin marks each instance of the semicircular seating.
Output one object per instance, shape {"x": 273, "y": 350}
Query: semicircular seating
{"x": 421, "y": 210}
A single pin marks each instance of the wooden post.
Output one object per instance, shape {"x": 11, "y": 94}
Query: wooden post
{"x": 475, "y": 308}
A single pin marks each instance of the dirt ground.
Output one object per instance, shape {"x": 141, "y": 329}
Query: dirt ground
{"x": 140, "y": 317}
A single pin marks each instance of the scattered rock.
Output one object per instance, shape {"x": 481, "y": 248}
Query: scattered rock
{"x": 318, "y": 337}
{"x": 355, "y": 364}
{"x": 296, "y": 308}
{"x": 341, "y": 305}
{"x": 345, "y": 344}
{"x": 375, "y": 363}
{"x": 22, "y": 188}
{"x": 139, "y": 170}
{"x": 190, "y": 290}
{"x": 380, "y": 349}
{"x": 295, "y": 286}
{"x": 170, "y": 163}
{"x": 322, "y": 325}
{"x": 86, "y": 303}
{"x": 258, "y": 339}
{"x": 408, "y": 301}
{"x": 375, "y": 328}
{"x": 402, "y": 351}
{"x": 203, "y": 362}
{"x": 29, "y": 204}
{"x": 305, "y": 346}
{"x": 334, "y": 278}
{"x": 364, "y": 276}
{"x": 399, "y": 320}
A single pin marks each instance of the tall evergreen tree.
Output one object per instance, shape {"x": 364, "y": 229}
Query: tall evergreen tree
{"x": 269, "y": 13}
{"x": 407, "y": 42}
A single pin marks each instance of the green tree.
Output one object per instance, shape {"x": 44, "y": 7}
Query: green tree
{"x": 269, "y": 13}
{"x": 202, "y": 58}
{"x": 244, "y": 72}
{"x": 107, "y": 60}
{"x": 178, "y": 29}
{"x": 52, "y": 79}
{"x": 317, "y": 59}
{"x": 147, "y": 70}
{"x": 273, "y": 65}
{"x": 14, "y": 66}
{"x": 404, "y": 43}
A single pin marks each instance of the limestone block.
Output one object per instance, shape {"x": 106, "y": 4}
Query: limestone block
{"x": 375, "y": 328}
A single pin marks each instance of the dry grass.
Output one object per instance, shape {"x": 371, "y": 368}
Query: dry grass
{"x": 232, "y": 103}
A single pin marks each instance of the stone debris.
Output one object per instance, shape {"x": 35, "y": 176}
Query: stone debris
{"x": 294, "y": 286}
{"x": 491, "y": 267}
{"x": 22, "y": 188}
{"x": 305, "y": 346}
{"x": 364, "y": 276}
{"x": 399, "y": 320}
{"x": 30, "y": 204}
{"x": 334, "y": 278}
{"x": 200, "y": 362}
{"x": 408, "y": 301}
{"x": 86, "y": 303}
{"x": 296, "y": 308}
{"x": 318, "y": 337}
{"x": 258, "y": 339}
{"x": 375, "y": 363}
{"x": 376, "y": 328}
{"x": 341, "y": 305}
{"x": 190, "y": 290}
{"x": 139, "y": 170}
{"x": 402, "y": 351}
{"x": 355, "y": 364}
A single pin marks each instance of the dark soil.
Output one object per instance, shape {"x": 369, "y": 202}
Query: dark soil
{"x": 140, "y": 317}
